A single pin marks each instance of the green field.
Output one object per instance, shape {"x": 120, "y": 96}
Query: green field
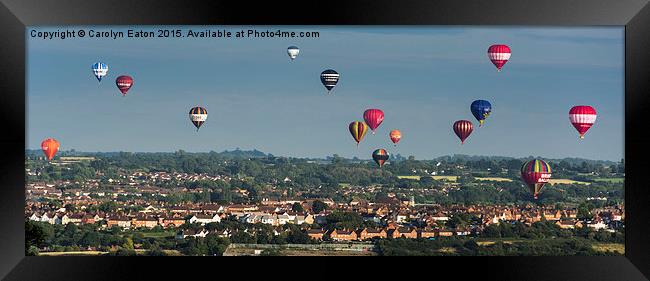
{"x": 162, "y": 234}
{"x": 567, "y": 181}
{"x": 610, "y": 180}
{"x": 447, "y": 178}
{"x": 493, "y": 179}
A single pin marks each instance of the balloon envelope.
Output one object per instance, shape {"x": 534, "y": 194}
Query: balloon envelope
{"x": 329, "y": 78}
{"x": 395, "y": 136}
{"x": 582, "y": 117}
{"x": 481, "y": 109}
{"x": 293, "y": 52}
{"x": 463, "y": 129}
{"x": 50, "y": 147}
{"x": 358, "y": 130}
{"x": 373, "y": 118}
{"x": 499, "y": 54}
{"x": 198, "y": 116}
{"x": 535, "y": 173}
{"x": 100, "y": 70}
{"x": 380, "y": 156}
{"x": 124, "y": 83}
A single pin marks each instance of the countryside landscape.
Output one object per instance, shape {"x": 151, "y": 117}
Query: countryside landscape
{"x": 252, "y": 203}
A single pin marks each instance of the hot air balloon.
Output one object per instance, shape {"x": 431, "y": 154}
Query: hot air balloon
{"x": 395, "y": 136}
{"x": 463, "y": 129}
{"x": 293, "y": 51}
{"x": 50, "y": 147}
{"x": 198, "y": 116}
{"x": 481, "y": 110}
{"x": 124, "y": 83}
{"x": 582, "y": 117}
{"x": 373, "y": 118}
{"x": 499, "y": 55}
{"x": 380, "y": 156}
{"x": 535, "y": 174}
{"x": 329, "y": 78}
{"x": 100, "y": 70}
{"x": 358, "y": 130}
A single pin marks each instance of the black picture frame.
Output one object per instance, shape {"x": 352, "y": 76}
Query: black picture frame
{"x": 17, "y": 15}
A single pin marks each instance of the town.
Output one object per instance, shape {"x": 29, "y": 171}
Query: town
{"x": 238, "y": 199}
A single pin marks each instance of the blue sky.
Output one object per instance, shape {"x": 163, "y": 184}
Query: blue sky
{"x": 423, "y": 78}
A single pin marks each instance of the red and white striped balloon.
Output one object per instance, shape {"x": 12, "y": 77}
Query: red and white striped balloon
{"x": 499, "y": 55}
{"x": 582, "y": 117}
{"x": 463, "y": 129}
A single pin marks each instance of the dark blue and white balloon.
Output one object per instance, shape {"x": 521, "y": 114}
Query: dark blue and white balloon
{"x": 329, "y": 78}
{"x": 293, "y": 52}
{"x": 100, "y": 70}
{"x": 481, "y": 109}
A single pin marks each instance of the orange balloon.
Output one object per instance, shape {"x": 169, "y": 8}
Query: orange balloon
{"x": 50, "y": 147}
{"x": 395, "y": 136}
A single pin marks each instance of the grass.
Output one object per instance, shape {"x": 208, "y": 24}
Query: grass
{"x": 612, "y": 247}
{"x": 493, "y": 179}
{"x": 447, "y": 250}
{"x": 162, "y": 234}
{"x": 567, "y": 181}
{"x": 610, "y": 180}
{"x": 409, "y": 177}
{"x": 490, "y": 241}
{"x": 75, "y": 253}
{"x": 447, "y": 178}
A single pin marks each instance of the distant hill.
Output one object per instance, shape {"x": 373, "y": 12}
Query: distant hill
{"x": 570, "y": 160}
{"x": 238, "y": 153}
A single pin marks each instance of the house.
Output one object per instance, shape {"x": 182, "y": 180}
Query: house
{"x": 242, "y": 208}
{"x": 569, "y": 224}
{"x": 71, "y": 218}
{"x": 120, "y": 221}
{"x": 204, "y": 218}
{"x": 597, "y": 224}
{"x": 269, "y": 219}
{"x": 369, "y": 233}
{"x": 284, "y": 219}
{"x": 35, "y": 217}
{"x": 426, "y": 233}
{"x": 439, "y": 216}
{"x": 171, "y": 221}
{"x": 316, "y": 234}
{"x": 191, "y": 233}
{"x": 405, "y": 232}
{"x": 144, "y": 221}
{"x": 445, "y": 233}
{"x": 88, "y": 219}
{"x": 402, "y": 217}
{"x": 343, "y": 235}
{"x": 48, "y": 218}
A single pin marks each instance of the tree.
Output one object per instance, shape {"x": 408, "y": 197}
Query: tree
{"x": 297, "y": 207}
{"x": 318, "y": 206}
{"x": 35, "y": 236}
{"x": 128, "y": 244}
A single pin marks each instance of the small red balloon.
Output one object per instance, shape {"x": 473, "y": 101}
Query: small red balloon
{"x": 124, "y": 83}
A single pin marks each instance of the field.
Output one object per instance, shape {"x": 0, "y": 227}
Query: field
{"x": 610, "y": 180}
{"x": 328, "y": 249}
{"x": 447, "y": 178}
{"x": 162, "y": 234}
{"x": 612, "y": 247}
{"x": 97, "y": 253}
{"x": 76, "y": 253}
{"x": 493, "y": 179}
{"x": 567, "y": 181}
